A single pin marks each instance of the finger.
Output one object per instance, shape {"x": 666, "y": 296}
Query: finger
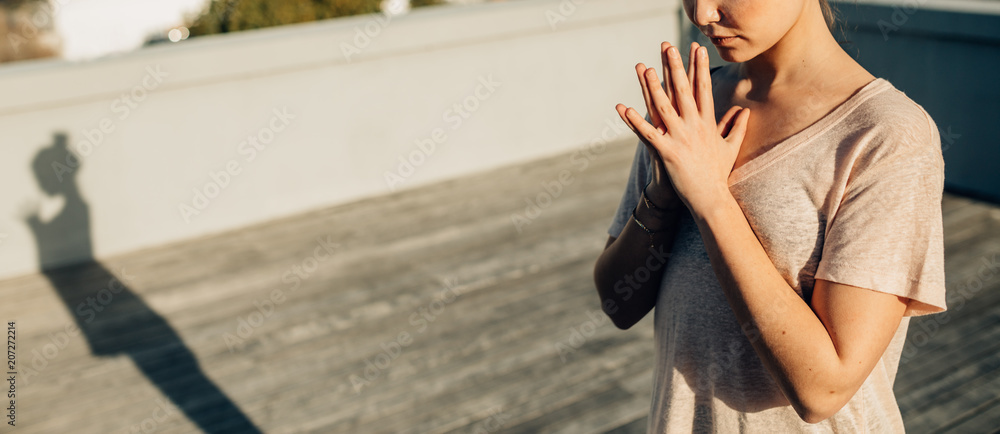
{"x": 727, "y": 120}
{"x": 621, "y": 108}
{"x": 648, "y": 133}
{"x": 664, "y": 46}
{"x": 739, "y": 129}
{"x": 703, "y": 85}
{"x": 640, "y": 69}
{"x": 725, "y": 124}
{"x": 666, "y": 67}
{"x": 644, "y": 128}
{"x": 653, "y": 153}
{"x": 660, "y": 102}
{"x": 682, "y": 88}
{"x": 692, "y": 65}
{"x": 638, "y": 123}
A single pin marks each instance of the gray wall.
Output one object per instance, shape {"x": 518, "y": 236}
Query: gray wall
{"x": 948, "y": 61}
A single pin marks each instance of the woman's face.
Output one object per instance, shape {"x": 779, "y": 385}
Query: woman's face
{"x": 754, "y": 25}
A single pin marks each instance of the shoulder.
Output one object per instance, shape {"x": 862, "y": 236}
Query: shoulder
{"x": 890, "y": 108}
{"x": 890, "y": 127}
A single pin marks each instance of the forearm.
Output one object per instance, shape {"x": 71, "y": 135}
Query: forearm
{"x": 789, "y": 338}
{"x": 629, "y": 271}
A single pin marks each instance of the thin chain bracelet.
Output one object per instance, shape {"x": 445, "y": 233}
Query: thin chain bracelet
{"x": 652, "y": 205}
{"x": 634, "y": 217}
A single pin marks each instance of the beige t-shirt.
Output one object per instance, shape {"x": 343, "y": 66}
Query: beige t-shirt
{"x": 854, "y": 198}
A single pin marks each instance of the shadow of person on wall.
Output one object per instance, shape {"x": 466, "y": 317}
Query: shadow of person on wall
{"x": 113, "y": 318}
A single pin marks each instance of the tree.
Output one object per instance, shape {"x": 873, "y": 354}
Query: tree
{"x": 27, "y": 30}
{"x": 224, "y": 16}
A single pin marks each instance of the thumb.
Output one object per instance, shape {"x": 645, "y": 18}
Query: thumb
{"x": 739, "y": 127}
{"x": 726, "y": 123}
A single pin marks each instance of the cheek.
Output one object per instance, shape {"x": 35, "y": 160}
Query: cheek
{"x": 767, "y": 21}
{"x": 758, "y": 31}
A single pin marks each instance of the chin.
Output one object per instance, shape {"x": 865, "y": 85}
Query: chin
{"x": 737, "y": 52}
{"x": 730, "y": 55}
{"x": 735, "y": 55}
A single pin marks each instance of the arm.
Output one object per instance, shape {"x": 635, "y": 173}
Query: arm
{"x": 627, "y": 294}
{"x": 819, "y": 355}
{"x": 28, "y": 211}
{"x": 629, "y": 271}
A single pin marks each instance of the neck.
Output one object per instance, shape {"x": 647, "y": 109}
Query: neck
{"x": 806, "y": 51}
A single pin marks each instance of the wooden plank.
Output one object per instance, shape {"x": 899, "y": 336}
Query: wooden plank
{"x": 982, "y": 419}
{"x": 489, "y": 357}
{"x": 637, "y": 426}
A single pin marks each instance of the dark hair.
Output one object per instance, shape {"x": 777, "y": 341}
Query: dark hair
{"x": 836, "y": 26}
{"x": 828, "y": 14}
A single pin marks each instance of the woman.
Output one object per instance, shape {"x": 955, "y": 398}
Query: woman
{"x": 783, "y": 214}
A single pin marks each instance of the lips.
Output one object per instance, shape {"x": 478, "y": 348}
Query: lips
{"x": 723, "y": 40}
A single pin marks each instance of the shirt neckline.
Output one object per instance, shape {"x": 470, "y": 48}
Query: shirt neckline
{"x": 814, "y": 130}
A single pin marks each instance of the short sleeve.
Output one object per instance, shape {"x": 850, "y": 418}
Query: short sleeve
{"x": 638, "y": 177}
{"x": 887, "y": 233}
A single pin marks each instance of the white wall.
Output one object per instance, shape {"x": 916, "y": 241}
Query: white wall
{"x": 353, "y": 118}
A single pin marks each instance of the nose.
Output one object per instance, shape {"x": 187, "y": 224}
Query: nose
{"x": 705, "y": 12}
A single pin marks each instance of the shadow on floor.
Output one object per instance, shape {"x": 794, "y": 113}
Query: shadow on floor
{"x": 114, "y": 319}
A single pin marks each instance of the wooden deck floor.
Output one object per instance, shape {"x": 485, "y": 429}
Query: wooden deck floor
{"x": 424, "y": 311}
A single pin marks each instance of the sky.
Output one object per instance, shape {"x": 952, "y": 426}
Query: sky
{"x": 93, "y": 28}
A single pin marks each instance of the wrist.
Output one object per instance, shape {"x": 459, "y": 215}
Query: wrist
{"x": 661, "y": 198}
{"x": 709, "y": 206}
{"x": 660, "y": 208}
{"x": 657, "y": 219}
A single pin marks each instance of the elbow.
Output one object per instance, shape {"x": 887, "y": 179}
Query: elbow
{"x": 819, "y": 406}
{"x": 819, "y": 395}
{"x": 617, "y": 315}
{"x": 813, "y": 416}
{"x": 608, "y": 304}
{"x": 621, "y": 323}
{"x": 621, "y": 318}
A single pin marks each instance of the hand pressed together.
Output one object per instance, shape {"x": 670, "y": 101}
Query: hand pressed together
{"x": 693, "y": 154}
